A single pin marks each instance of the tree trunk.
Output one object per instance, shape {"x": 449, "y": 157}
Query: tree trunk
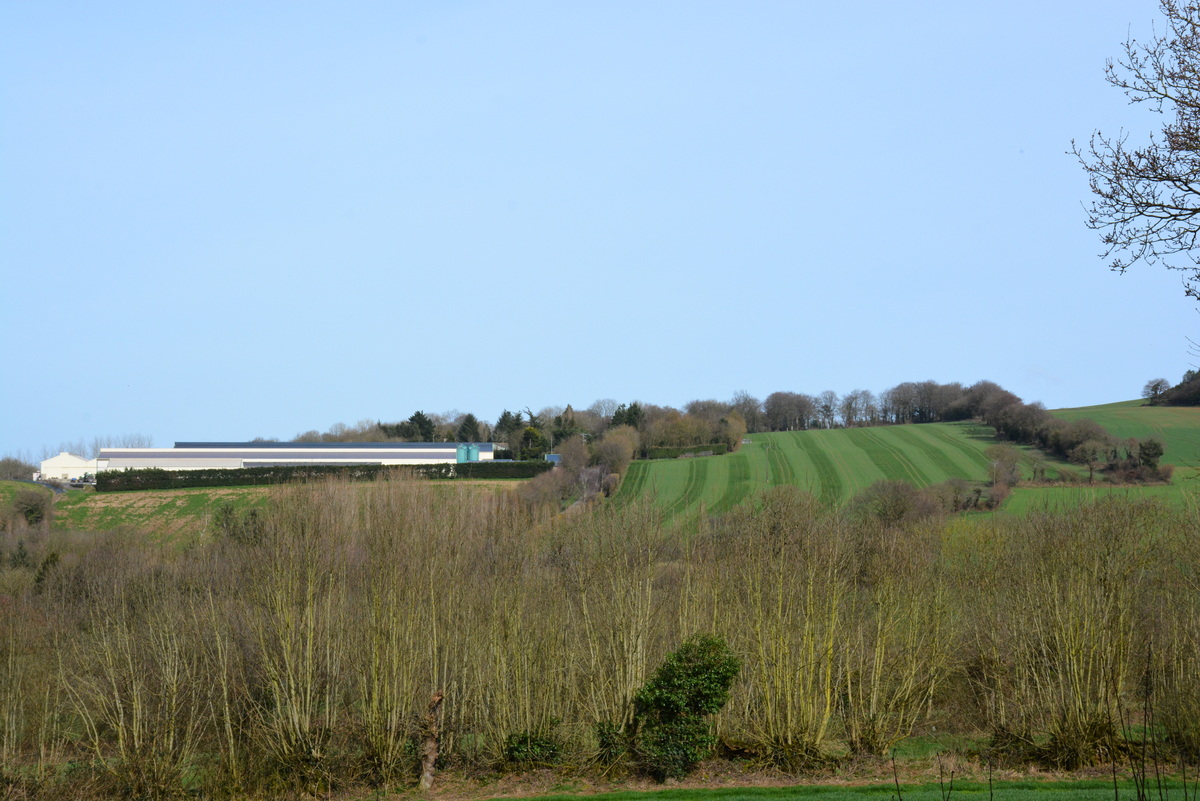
{"x": 429, "y": 744}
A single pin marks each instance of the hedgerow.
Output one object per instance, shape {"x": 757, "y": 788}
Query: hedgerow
{"x": 153, "y": 478}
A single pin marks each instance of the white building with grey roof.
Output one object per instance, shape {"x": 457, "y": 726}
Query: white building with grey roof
{"x": 209, "y": 455}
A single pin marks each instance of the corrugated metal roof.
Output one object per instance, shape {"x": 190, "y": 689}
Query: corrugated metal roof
{"x": 345, "y": 453}
{"x": 272, "y": 445}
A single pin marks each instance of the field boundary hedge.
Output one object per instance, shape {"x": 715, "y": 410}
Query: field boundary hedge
{"x": 154, "y": 478}
{"x": 674, "y": 452}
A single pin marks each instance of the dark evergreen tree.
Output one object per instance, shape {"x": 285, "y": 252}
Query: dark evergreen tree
{"x": 468, "y": 429}
{"x": 532, "y": 445}
{"x": 507, "y": 425}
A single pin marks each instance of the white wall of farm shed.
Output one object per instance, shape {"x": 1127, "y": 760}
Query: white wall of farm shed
{"x": 202, "y": 456}
{"x": 68, "y": 466}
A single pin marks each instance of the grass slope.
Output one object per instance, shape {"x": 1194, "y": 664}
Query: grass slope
{"x": 1177, "y": 426}
{"x": 834, "y": 465}
{"x": 9, "y": 490}
{"x": 170, "y": 514}
{"x": 162, "y": 513}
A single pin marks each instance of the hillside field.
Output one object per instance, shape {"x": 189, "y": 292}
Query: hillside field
{"x": 836, "y": 464}
{"x": 164, "y": 514}
{"x": 833, "y": 464}
{"x": 1177, "y": 426}
{"x": 161, "y": 513}
{"x": 9, "y": 490}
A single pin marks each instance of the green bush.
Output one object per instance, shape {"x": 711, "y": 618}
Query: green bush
{"x": 671, "y": 750}
{"x": 672, "y": 709}
{"x": 20, "y": 558}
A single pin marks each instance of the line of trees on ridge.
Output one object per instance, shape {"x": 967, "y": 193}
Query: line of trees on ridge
{"x": 698, "y": 422}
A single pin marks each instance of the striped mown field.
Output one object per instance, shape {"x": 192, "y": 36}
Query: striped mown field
{"x": 832, "y": 464}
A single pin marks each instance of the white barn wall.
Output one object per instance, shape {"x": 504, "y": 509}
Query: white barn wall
{"x": 68, "y": 466}
{"x": 205, "y": 456}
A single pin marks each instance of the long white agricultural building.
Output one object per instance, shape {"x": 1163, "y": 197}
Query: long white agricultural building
{"x": 207, "y": 455}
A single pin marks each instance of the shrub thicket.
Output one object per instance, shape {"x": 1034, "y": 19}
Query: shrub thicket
{"x": 298, "y": 653}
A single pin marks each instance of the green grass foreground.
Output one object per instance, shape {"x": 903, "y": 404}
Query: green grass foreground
{"x": 1077, "y": 790}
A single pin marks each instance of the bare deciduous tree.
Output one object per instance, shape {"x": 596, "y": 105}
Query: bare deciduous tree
{"x": 1146, "y": 199}
{"x": 751, "y": 410}
{"x": 827, "y": 406}
{"x": 789, "y": 411}
{"x": 1155, "y": 387}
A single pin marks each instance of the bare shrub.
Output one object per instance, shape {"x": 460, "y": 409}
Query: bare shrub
{"x": 615, "y": 450}
{"x": 895, "y": 503}
{"x": 997, "y": 494}
{"x": 954, "y": 495}
{"x": 898, "y": 649}
{"x": 296, "y": 593}
{"x": 785, "y": 576}
{"x": 137, "y": 689}
{"x": 303, "y": 660}
{"x": 608, "y": 569}
{"x": 1058, "y": 625}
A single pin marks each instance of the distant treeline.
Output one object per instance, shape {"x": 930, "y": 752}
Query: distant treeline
{"x": 698, "y": 422}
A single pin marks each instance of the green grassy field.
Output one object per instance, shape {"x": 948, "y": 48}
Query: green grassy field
{"x": 171, "y": 514}
{"x": 1178, "y": 428}
{"x": 832, "y": 464}
{"x": 164, "y": 513}
{"x": 836, "y": 464}
{"x": 9, "y": 490}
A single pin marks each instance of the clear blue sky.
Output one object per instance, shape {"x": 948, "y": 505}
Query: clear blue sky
{"x": 222, "y": 220}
